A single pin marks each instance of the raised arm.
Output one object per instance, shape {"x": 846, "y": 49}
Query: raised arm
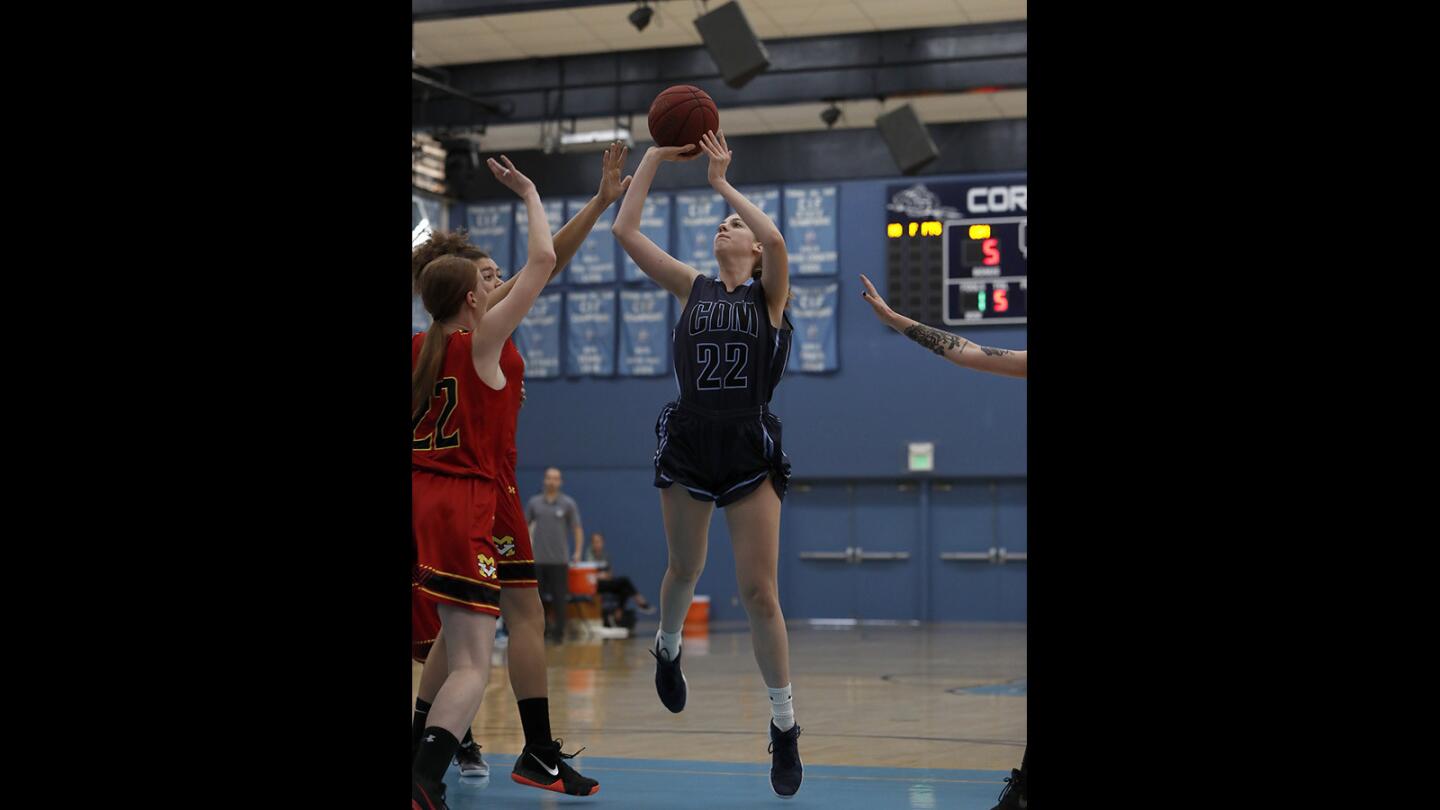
{"x": 670, "y": 273}
{"x": 569, "y": 239}
{"x": 776, "y": 280}
{"x": 502, "y": 319}
{"x": 954, "y": 348}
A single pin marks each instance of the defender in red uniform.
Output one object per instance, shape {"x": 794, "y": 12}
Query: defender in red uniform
{"x": 510, "y": 536}
{"x": 456, "y": 384}
{"x": 453, "y": 478}
{"x": 519, "y": 603}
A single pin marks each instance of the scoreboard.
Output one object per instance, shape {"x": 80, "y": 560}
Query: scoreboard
{"x": 957, "y": 252}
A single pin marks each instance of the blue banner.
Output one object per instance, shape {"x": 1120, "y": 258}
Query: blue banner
{"x": 812, "y": 344}
{"x": 554, "y": 213}
{"x": 488, "y": 227}
{"x": 419, "y": 318}
{"x": 810, "y": 230}
{"x": 645, "y": 333}
{"x": 538, "y": 337}
{"x": 697, "y": 214}
{"x": 655, "y": 224}
{"x": 590, "y": 327}
{"x": 594, "y": 262}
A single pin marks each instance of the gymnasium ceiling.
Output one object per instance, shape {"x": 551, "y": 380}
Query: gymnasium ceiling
{"x": 478, "y": 46}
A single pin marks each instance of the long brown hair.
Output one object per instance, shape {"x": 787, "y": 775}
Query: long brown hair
{"x": 443, "y": 243}
{"x": 443, "y": 285}
{"x": 432, "y": 351}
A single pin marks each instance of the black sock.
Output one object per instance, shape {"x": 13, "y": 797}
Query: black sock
{"x": 437, "y": 748}
{"x": 1024, "y": 772}
{"x": 417, "y": 725}
{"x": 535, "y": 719}
{"x": 467, "y": 741}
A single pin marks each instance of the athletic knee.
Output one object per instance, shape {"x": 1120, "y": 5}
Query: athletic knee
{"x": 468, "y": 672}
{"x": 761, "y": 599}
{"x": 686, "y": 573}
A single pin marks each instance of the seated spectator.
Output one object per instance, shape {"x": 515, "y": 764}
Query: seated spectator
{"x": 614, "y": 591}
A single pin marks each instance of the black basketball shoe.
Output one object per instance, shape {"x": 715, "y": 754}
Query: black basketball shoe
{"x": 785, "y": 769}
{"x": 1012, "y": 796}
{"x": 669, "y": 680}
{"x": 468, "y": 758}
{"x": 544, "y": 767}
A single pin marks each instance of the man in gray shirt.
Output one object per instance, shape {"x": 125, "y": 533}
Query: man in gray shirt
{"x": 551, "y": 516}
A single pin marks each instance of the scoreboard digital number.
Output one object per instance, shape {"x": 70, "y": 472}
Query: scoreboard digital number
{"x": 957, "y": 253}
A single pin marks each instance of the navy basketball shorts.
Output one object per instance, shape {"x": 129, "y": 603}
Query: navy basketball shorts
{"x": 719, "y": 456}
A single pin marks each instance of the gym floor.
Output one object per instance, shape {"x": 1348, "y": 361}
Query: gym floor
{"x": 892, "y": 716}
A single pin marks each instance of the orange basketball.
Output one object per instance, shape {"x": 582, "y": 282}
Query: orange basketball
{"x": 681, "y": 114}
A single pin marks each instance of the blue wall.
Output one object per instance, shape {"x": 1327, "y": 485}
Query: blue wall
{"x": 853, "y": 424}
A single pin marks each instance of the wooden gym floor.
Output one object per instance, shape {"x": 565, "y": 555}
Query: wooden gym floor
{"x": 892, "y": 716}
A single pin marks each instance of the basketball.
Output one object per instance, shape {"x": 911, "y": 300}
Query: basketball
{"x": 681, "y": 114}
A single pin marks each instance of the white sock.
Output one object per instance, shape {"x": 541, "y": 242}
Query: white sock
{"x": 782, "y": 708}
{"x": 668, "y": 642}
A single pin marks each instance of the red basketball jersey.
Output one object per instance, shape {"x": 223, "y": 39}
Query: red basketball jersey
{"x": 513, "y": 365}
{"x": 460, "y": 433}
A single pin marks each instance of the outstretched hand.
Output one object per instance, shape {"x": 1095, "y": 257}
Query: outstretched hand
{"x": 510, "y": 177}
{"x": 612, "y": 187}
{"x": 882, "y": 309}
{"x": 720, "y": 155}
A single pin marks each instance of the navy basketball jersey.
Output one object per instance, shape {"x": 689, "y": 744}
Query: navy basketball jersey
{"x": 727, "y": 355}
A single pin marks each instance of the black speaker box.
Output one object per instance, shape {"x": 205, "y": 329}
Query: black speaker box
{"x": 907, "y": 138}
{"x": 732, "y": 44}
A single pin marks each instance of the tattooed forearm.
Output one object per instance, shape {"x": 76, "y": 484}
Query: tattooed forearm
{"x": 941, "y": 342}
{"x": 935, "y": 340}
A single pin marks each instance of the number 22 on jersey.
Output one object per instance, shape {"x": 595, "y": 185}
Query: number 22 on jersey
{"x": 437, "y": 438}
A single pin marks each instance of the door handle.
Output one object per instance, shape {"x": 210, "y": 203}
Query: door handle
{"x": 993, "y": 555}
{"x": 884, "y": 555}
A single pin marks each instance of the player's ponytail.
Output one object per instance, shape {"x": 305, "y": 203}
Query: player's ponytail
{"x": 443, "y": 284}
